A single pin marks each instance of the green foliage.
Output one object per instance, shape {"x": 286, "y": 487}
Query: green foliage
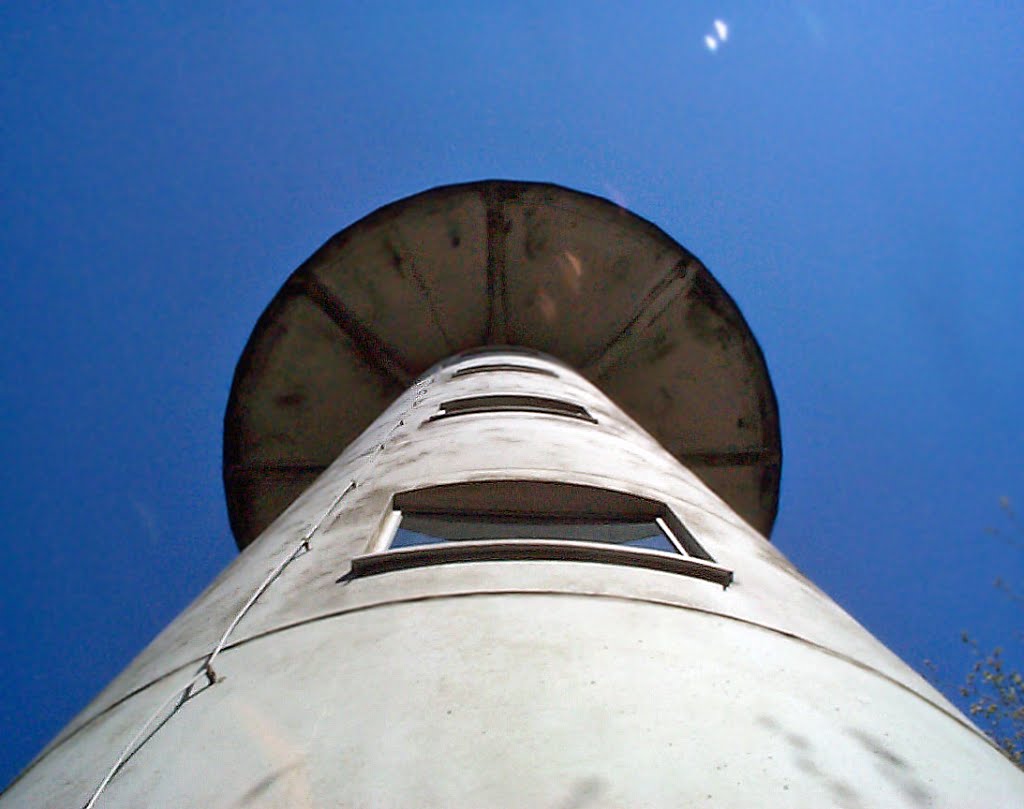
{"x": 993, "y": 690}
{"x": 994, "y": 694}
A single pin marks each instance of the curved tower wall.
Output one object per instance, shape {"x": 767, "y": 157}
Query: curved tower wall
{"x": 501, "y": 680}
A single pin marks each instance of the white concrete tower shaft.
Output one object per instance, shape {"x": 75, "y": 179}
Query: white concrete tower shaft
{"x": 506, "y": 592}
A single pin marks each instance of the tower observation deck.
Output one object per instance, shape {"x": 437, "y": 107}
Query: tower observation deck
{"x": 503, "y": 459}
{"x": 520, "y": 264}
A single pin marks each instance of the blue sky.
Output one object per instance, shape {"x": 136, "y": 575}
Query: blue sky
{"x": 853, "y": 176}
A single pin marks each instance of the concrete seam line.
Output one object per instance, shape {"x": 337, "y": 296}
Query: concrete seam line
{"x": 416, "y": 599}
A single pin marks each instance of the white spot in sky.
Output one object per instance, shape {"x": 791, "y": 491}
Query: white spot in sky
{"x": 722, "y": 29}
{"x": 711, "y": 42}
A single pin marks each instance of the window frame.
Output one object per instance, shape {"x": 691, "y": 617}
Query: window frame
{"x": 458, "y": 373}
{"x": 497, "y": 350}
{"x": 505, "y": 403}
{"x": 691, "y": 559}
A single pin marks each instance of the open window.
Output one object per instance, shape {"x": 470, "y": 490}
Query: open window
{"x": 518, "y": 520}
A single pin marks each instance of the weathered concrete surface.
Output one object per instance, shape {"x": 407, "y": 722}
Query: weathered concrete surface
{"x": 492, "y": 262}
{"x": 519, "y": 683}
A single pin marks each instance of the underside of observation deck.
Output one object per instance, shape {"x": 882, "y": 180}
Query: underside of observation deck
{"x": 499, "y": 263}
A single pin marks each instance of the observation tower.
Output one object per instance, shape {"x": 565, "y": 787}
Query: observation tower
{"x": 503, "y": 460}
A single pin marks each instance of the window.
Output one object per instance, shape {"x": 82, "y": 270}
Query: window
{"x": 429, "y": 529}
{"x": 519, "y": 520}
{"x": 476, "y": 352}
{"x": 502, "y": 366}
{"x": 512, "y": 403}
